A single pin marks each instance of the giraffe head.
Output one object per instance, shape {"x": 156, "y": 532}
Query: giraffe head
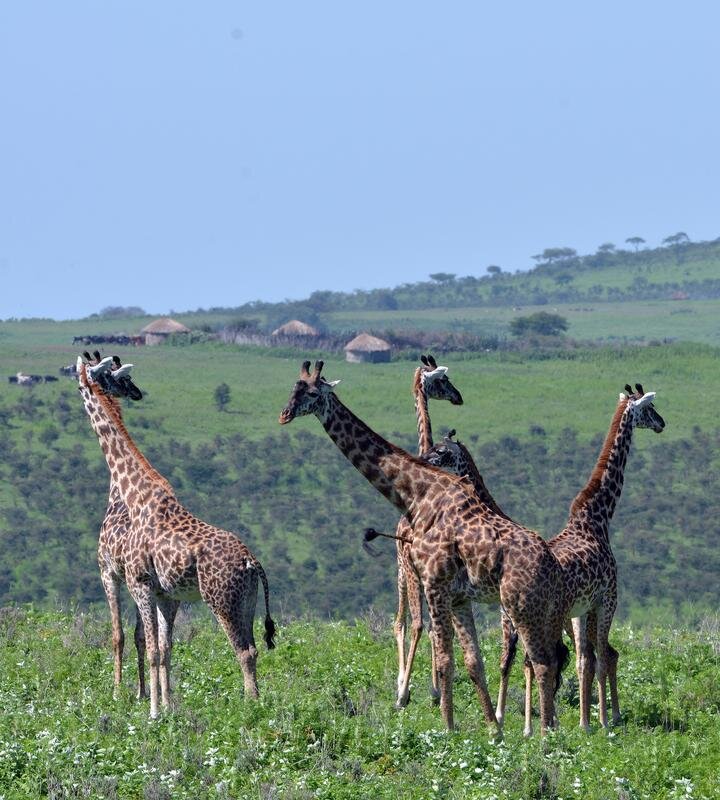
{"x": 645, "y": 415}
{"x": 309, "y": 395}
{"x": 436, "y": 383}
{"x": 448, "y": 455}
{"x": 109, "y": 375}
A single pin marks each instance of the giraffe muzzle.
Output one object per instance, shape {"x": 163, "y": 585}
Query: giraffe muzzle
{"x": 286, "y": 415}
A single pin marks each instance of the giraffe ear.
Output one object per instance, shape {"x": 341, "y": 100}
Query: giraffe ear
{"x": 328, "y": 386}
{"x": 100, "y": 368}
{"x": 645, "y": 400}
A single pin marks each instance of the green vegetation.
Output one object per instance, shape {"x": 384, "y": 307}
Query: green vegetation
{"x": 325, "y": 726}
{"x": 534, "y": 426}
{"x": 535, "y": 415}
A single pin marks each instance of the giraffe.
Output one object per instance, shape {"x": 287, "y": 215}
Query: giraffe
{"x": 458, "y": 540}
{"x": 429, "y": 381}
{"x": 172, "y": 555}
{"x": 454, "y": 457}
{"x": 114, "y": 532}
{"x": 583, "y": 551}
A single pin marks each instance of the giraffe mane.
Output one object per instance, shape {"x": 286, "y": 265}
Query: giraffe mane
{"x": 477, "y": 480}
{"x": 113, "y": 410}
{"x": 593, "y": 484}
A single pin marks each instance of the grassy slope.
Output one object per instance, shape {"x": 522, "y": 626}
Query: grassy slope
{"x": 325, "y": 726}
{"x": 638, "y": 321}
{"x": 505, "y": 393}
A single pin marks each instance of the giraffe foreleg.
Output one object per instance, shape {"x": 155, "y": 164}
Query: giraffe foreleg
{"x": 604, "y": 620}
{"x": 464, "y": 625}
{"x": 111, "y": 585}
{"x": 584, "y": 666}
{"x": 400, "y": 625}
{"x": 146, "y": 602}
{"x": 167, "y": 609}
{"x": 413, "y": 593}
{"x": 442, "y": 634}
{"x": 140, "y": 651}
{"x": 509, "y": 648}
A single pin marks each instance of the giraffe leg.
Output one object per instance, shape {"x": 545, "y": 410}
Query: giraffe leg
{"x": 399, "y": 628}
{"x": 542, "y": 655}
{"x": 235, "y": 611}
{"x": 612, "y": 677}
{"x": 140, "y": 650}
{"x": 167, "y": 609}
{"x": 413, "y": 594}
{"x": 584, "y": 666}
{"x": 464, "y": 625}
{"x": 604, "y": 620}
{"x": 509, "y": 647}
{"x": 529, "y": 675}
{"x": 147, "y": 608}
{"x": 442, "y": 634}
{"x": 111, "y": 585}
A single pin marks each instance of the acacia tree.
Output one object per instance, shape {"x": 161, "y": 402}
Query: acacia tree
{"x": 541, "y": 323}
{"x": 635, "y": 241}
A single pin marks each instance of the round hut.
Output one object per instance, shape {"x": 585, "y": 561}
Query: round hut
{"x": 295, "y": 328}
{"x": 158, "y": 331}
{"x": 367, "y": 348}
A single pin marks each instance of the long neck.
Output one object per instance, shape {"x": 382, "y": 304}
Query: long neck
{"x": 402, "y": 479}
{"x": 602, "y": 491}
{"x": 424, "y": 429}
{"x": 130, "y": 472}
{"x": 469, "y": 468}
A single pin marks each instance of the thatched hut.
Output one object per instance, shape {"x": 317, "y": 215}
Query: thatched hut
{"x": 367, "y": 348}
{"x": 295, "y": 328}
{"x": 158, "y": 331}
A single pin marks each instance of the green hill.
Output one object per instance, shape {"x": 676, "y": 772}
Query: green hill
{"x": 534, "y": 424}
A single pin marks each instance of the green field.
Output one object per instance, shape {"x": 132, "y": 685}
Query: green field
{"x": 325, "y": 726}
{"x": 613, "y": 323}
{"x": 505, "y": 393}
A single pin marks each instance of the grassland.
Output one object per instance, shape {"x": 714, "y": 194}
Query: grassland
{"x": 325, "y": 726}
{"x": 575, "y": 389}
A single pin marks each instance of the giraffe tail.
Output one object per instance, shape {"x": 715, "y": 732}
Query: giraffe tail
{"x": 269, "y": 624}
{"x": 563, "y": 656}
{"x": 508, "y": 655}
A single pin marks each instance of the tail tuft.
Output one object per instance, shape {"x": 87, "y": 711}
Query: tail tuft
{"x": 269, "y": 632}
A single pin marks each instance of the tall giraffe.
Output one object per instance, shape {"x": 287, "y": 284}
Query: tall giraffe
{"x": 172, "y": 555}
{"x": 451, "y": 456}
{"x": 115, "y": 530}
{"x": 583, "y": 551}
{"x": 457, "y": 539}
{"x": 429, "y": 381}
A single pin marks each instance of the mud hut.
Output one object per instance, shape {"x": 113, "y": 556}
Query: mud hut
{"x": 158, "y": 331}
{"x": 295, "y": 328}
{"x": 367, "y": 348}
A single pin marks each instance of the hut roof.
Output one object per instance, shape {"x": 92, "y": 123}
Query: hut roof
{"x": 165, "y": 325}
{"x": 366, "y": 343}
{"x": 295, "y": 328}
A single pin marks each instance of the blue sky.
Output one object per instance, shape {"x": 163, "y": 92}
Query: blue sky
{"x": 184, "y": 155}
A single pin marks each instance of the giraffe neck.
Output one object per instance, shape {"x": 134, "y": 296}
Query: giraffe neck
{"x": 131, "y": 474}
{"x": 603, "y": 489}
{"x": 402, "y": 479}
{"x": 468, "y": 467}
{"x": 424, "y": 429}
